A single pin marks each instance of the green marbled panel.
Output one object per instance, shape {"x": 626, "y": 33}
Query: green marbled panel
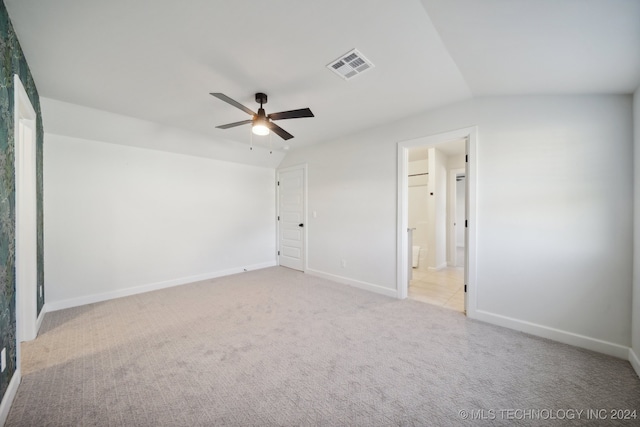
{"x": 12, "y": 61}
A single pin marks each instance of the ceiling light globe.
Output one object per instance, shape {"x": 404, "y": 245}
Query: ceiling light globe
{"x": 260, "y": 130}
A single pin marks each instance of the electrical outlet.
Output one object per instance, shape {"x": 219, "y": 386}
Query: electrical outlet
{"x": 3, "y": 359}
{"x": 343, "y": 263}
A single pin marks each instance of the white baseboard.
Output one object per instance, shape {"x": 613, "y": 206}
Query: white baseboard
{"x": 355, "y": 283}
{"x": 9, "y": 395}
{"x": 635, "y": 361}
{"x": 565, "y": 337}
{"x": 438, "y": 267}
{"x": 90, "y": 299}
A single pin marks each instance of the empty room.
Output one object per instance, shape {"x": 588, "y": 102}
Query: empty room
{"x": 332, "y": 213}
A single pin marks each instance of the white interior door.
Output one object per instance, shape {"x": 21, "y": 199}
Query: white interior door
{"x": 291, "y": 218}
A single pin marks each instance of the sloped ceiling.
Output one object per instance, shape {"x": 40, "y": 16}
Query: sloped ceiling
{"x": 516, "y": 47}
{"x": 158, "y": 60}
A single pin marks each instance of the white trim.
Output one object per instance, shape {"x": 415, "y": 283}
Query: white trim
{"x": 26, "y": 244}
{"x": 438, "y": 267}
{"x": 305, "y": 216}
{"x": 471, "y": 134}
{"x": 90, "y": 299}
{"x": 635, "y": 361}
{"x": 9, "y": 395}
{"x": 565, "y": 337}
{"x": 355, "y": 283}
{"x": 402, "y": 261}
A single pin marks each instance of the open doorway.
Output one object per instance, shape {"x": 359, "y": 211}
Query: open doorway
{"x": 436, "y": 219}
{"x": 436, "y": 211}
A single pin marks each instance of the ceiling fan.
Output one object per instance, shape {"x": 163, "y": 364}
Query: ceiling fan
{"x": 261, "y": 122}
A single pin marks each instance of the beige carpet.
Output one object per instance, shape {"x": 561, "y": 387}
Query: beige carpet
{"x": 277, "y": 347}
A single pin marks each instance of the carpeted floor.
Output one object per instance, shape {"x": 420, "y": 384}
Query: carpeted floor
{"x": 278, "y": 347}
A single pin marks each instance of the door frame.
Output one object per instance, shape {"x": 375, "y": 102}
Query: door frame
{"x": 470, "y": 134}
{"x": 303, "y": 167}
{"x": 26, "y": 250}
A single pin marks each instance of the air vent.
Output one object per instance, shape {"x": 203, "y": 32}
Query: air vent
{"x": 350, "y": 65}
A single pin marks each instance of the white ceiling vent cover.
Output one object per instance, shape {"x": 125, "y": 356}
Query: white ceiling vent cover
{"x": 350, "y": 65}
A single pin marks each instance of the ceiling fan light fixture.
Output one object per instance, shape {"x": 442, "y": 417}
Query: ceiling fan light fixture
{"x": 260, "y": 129}
{"x": 261, "y": 123}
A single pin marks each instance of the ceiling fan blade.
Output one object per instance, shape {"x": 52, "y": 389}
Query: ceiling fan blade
{"x": 225, "y": 98}
{"x": 293, "y": 114}
{"x": 279, "y": 131}
{"x": 234, "y": 124}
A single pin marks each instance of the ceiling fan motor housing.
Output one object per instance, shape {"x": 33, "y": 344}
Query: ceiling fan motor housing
{"x": 261, "y": 116}
{"x": 261, "y": 98}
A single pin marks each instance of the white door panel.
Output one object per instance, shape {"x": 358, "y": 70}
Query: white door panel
{"x": 291, "y": 218}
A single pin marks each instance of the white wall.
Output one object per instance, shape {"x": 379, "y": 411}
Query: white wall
{"x": 455, "y": 210}
{"x": 437, "y": 209}
{"x": 460, "y": 206}
{"x": 554, "y": 210}
{"x": 418, "y": 203}
{"x": 62, "y": 118}
{"x": 455, "y": 161}
{"x": 634, "y": 355}
{"x": 455, "y": 206}
{"x": 418, "y": 168}
{"x": 121, "y": 219}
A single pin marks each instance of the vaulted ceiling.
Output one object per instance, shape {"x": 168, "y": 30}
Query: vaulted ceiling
{"x": 158, "y": 60}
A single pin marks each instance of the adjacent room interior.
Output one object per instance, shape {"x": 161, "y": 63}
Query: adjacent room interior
{"x": 436, "y": 211}
{"x": 312, "y": 213}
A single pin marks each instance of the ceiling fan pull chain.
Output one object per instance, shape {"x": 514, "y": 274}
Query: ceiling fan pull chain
{"x": 251, "y": 143}
{"x": 270, "y": 144}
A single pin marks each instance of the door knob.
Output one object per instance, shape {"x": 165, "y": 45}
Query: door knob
{"x": 301, "y": 225}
